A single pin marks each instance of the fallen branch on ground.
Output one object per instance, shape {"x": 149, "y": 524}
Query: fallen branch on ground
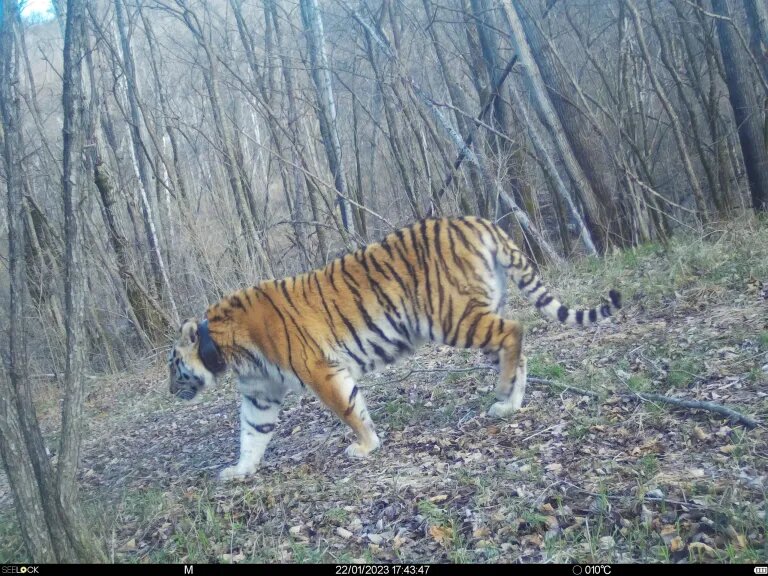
{"x": 699, "y": 405}
{"x": 645, "y": 396}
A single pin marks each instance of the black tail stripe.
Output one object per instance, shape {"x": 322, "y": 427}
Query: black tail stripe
{"x": 544, "y": 300}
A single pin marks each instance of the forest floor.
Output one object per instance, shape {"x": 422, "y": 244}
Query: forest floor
{"x": 570, "y": 478}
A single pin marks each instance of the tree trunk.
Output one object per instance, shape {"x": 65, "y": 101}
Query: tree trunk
{"x": 549, "y": 168}
{"x": 18, "y": 458}
{"x": 741, "y": 93}
{"x": 50, "y": 520}
{"x": 326, "y": 112}
{"x": 74, "y": 275}
{"x": 757, "y": 19}
{"x": 159, "y": 272}
{"x": 585, "y": 163}
{"x": 210, "y": 76}
{"x": 677, "y": 129}
{"x": 599, "y": 212}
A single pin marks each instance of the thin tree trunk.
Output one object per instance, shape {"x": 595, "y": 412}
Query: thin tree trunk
{"x": 18, "y": 455}
{"x": 160, "y": 273}
{"x": 757, "y": 20}
{"x": 61, "y": 534}
{"x": 210, "y": 76}
{"x": 666, "y": 55}
{"x": 476, "y": 157}
{"x": 741, "y": 92}
{"x": 599, "y": 212}
{"x": 297, "y": 148}
{"x": 74, "y": 275}
{"x": 321, "y": 74}
{"x": 677, "y": 129}
{"x": 548, "y": 165}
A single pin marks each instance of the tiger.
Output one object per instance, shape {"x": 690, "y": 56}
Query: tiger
{"x": 441, "y": 280}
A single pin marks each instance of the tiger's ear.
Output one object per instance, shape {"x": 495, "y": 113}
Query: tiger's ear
{"x": 188, "y": 333}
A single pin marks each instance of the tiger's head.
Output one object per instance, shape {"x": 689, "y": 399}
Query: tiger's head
{"x": 194, "y": 361}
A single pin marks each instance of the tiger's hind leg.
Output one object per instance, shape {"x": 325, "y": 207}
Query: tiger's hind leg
{"x": 339, "y": 392}
{"x": 510, "y": 398}
{"x": 490, "y": 332}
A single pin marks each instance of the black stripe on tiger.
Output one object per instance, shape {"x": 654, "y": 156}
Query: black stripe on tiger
{"x": 287, "y": 332}
{"x": 351, "y": 401}
{"x": 544, "y": 300}
{"x": 470, "y": 339}
{"x": 262, "y": 428}
{"x": 381, "y": 353}
{"x": 351, "y": 329}
{"x": 284, "y": 290}
{"x": 256, "y": 403}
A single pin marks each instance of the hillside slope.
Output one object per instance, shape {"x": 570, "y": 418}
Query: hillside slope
{"x": 569, "y": 478}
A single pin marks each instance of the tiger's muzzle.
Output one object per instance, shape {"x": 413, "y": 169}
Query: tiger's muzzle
{"x": 183, "y": 383}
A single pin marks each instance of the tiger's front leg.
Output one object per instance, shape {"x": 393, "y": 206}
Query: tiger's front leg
{"x": 258, "y": 420}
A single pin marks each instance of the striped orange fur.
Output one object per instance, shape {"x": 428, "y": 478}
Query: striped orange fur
{"x": 439, "y": 280}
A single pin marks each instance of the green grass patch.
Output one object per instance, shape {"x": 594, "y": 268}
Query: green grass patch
{"x": 683, "y": 372}
{"x": 12, "y": 550}
{"x": 545, "y": 368}
{"x": 639, "y": 383}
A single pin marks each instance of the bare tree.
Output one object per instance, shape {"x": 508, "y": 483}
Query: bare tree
{"x": 677, "y": 129}
{"x": 326, "y": 112}
{"x": 52, "y": 524}
{"x": 741, "y": 92}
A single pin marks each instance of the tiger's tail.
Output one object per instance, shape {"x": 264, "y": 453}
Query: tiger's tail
{"x": 533, "y": 289}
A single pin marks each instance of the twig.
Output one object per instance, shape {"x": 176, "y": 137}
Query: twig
{"x": 646, "y": 498}
{"x": 695, "y": 404}
{"x": 710, "y": 14}
{"x": 589, "y": 393}
{"x": 698, "y": 405}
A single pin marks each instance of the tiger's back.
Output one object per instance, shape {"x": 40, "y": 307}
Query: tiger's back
{"x": 439, "y": 280}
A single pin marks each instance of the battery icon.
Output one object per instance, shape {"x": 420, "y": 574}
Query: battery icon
{"x": 761, "y": 569}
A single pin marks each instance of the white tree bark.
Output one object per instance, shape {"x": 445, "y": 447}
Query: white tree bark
{"x": 321, "y": 75}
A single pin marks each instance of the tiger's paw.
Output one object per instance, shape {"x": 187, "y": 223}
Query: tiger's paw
{"x": 235, "y": 473}
{"x": 502, "y": 409}
{"x": 357, "y": 450}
